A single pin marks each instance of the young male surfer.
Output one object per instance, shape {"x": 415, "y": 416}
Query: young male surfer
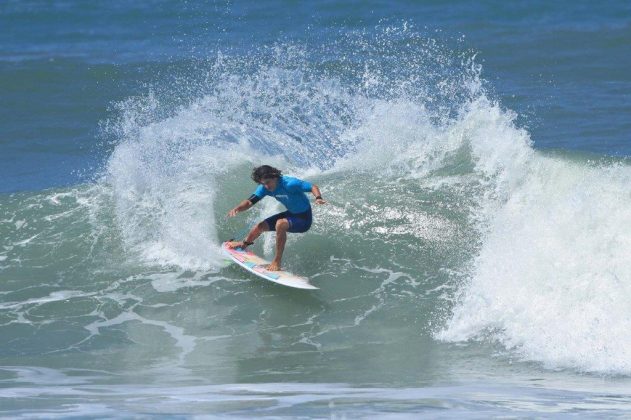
{"x": 290, "y": 192}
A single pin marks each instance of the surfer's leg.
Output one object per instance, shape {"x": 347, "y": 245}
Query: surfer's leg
{"x": 256, "y": 231}
{"x": 264, "y": 226}
{"x": 299, "y": 223}
{"x": 270, "y": 222}
{"x": 282, "y": 225}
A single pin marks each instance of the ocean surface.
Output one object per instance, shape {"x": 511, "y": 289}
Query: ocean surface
{"x": 474, "y": 259}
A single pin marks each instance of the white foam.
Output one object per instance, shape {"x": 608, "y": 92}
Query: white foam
{"x": 61, "y": 295}
{"x": 170, "y": 282}
{"x": 185, "y": 342}
{"x": 553, "y": 278}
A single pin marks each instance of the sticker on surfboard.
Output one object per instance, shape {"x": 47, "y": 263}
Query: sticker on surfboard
{"x": 256, "y": 265}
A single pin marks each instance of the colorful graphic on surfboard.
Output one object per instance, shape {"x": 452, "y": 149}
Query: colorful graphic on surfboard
{"x": 256, "y": 265}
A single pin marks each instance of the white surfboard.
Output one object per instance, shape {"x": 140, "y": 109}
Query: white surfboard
{"x": 256, "y": 265}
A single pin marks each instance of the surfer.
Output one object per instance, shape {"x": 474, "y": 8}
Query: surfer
{"x": 290, "y": 192}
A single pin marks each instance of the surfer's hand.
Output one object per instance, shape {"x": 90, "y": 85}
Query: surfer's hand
{"x": 236, "y": 244}
{"x": 320, "y": 201}
{"x": 233, "y": 212}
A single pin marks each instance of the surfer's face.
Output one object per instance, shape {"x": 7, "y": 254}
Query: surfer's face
{"x": 270, "y": 183}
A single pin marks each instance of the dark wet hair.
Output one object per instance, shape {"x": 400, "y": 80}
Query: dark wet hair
{"x": 265, "y": 172}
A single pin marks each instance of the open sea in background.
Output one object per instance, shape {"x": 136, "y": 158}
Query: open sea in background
{"x": 474, "y": 259}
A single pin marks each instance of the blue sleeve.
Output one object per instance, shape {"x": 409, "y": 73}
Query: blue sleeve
{"x": 296, "y": 185}
{"x": 260, "y": 191}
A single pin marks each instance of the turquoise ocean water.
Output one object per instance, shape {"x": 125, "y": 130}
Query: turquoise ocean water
{"x": 473, "y": 260}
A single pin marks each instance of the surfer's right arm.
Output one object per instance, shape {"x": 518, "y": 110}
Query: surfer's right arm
{"x": 244, "y": 205}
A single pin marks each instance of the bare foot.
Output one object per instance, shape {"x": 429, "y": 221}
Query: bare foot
{"x": 274, "y": 266}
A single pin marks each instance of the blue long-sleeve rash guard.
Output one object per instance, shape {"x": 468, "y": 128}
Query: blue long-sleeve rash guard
{"x": 290, "y": 192}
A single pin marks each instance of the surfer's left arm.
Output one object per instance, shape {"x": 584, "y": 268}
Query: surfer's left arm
{"x": 315, "y": 190}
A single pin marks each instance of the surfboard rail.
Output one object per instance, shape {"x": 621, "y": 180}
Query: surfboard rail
{"x": 256, "y": 265}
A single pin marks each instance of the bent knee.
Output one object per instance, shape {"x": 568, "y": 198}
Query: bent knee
{"x": 262, "y": 226}
{"x": 282, "y": 224}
